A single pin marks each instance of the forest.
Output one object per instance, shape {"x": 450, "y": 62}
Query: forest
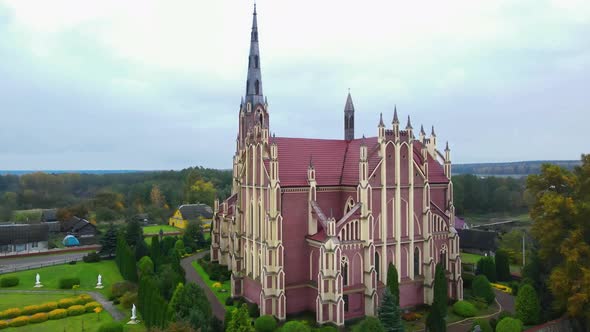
{"x": 108, "y": 197}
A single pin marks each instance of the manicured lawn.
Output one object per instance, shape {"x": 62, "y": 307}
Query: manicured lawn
{"x": 19, "y": 300}
{"x": 470, "y": 258}
{"x": 224, "y": 285}
{"x": 87, "y": 322}
{"x": 87, "y": 272}
{"x": 156, "y": 229}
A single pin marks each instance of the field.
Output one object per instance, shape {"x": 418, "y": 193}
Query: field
{"x": 224, "y": 285}
{"x": 19, "y": 300}
{"x": 156, "y": 229}
{"x": 26, "y": 216}
{"x": 87, "y": 272}
{"x": 470, "y": 258}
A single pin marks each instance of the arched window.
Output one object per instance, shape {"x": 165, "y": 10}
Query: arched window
{"x": 256, "y": 62}
{"x": 416, "y": 261}
{"x": 443, "y": 257}
{"x": 377, "y": 264}
{"x": 257, "y": 87}
{"x": 344, "y": 270}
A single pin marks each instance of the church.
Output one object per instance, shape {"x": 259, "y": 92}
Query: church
{"x": 312, "y": 224}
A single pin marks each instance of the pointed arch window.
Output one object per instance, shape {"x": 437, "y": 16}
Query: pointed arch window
{"x": 416, "y": 261}
{"x": 257, "y": 87}
{"x": 344, "y": 270}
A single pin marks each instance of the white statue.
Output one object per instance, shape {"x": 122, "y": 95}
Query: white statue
{"x": 38, "y": 281}
{"x": 99, "y": 283}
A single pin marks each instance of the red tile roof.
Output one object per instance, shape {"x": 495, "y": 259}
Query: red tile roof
{"x": 335, "y": 161}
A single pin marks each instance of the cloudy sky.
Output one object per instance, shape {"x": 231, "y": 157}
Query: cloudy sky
{"x": 144, "y": 84}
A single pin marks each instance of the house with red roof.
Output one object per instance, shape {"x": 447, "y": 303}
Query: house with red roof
{"x": 312, "y": 224}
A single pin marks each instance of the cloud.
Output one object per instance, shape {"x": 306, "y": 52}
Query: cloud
{"x": 149, "y": 84}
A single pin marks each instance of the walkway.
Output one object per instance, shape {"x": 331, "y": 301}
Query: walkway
{"x": 106, "y": 304}
{"x": 192, "y": 275}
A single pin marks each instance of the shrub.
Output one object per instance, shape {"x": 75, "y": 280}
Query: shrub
{"x": 76, "y": 310}
{"x": 3, "y": 324}
{"x": 9, "y": 281}
{"x": 85, "y": 298}
{"x": 31, "y": 309}
{"x": 504, "y": 314}
{"x": 467, "y": 279}
{"x": 65, "y": 303}
{"x": 128, "y": 299}
{"x": 481, "y": 288}
{"x": 253, "y": 310}
{"x": 90, "y": 306}
{"x": 487, "y": 267}
{"x": 527, "y": 305}
{"x": 229, "y": 301}
{"x": 464, "y": 309}
{"x": 295, "y": 326}
{"x": 72, "y": 263}
{"x": 479, "y": 303}
{"x": 47, "y": 306}
{"x": 369, "y": 324}
{"x": 411, "y": 316}
{"x": 502, "y": 265}
{"x": 39, "y": 317}
{"x": 266, "y": 323}
{"x": 111, "y": 327}
{"x": 514, "y": 286}
{"x": 58, "y": 314}
{"x": 19, "y": 321}
{"x": 326, "y": 328}
{"x": 67, "y": 283}
{"x": 10, "y": 313}
{"x": 92, "y": 257}
{"x": 121, "y": 287}
{"x": 509, "y": 325}
{"x": 484, "y": 325}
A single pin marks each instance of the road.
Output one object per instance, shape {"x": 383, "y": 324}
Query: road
{"x": 10, "y": 264}
{"x": 192, "y": 275}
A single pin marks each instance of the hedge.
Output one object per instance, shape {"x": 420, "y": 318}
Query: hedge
{"x": 10, "y": 313}
{"x": 9, "y": 281}
{"x": 509, "y": 324}
{"x": 76, "y": 310}
{"x": 482, "y": 288}
{"x": 464, "y": 309}
{"x": 266, "y": 323}
{"x": 68, "y": 283}
{"x": 65, "y": 303}
{"x": 111, "y": 327}
{"x": 90, "y": 306}
{"x": 58, "y": 314}
{"x": 3, "y": 324}
{"x": 19, "y": 321}
{"x": 39, "y": 317}
{"x": 48, "y": 306}
{"x": 92, "y": 257}
{"x": 85, "y": 298}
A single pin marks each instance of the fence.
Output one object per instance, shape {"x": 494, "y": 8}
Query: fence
{"x": 16, "y": 268}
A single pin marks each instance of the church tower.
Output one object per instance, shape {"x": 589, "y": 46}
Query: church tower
{"x": 254, "y": 107}
{"x": 349, "y": 119}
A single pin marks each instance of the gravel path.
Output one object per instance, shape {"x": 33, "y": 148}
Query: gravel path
{"x": 192, "y": 275}
{"x": 106, "y": 304}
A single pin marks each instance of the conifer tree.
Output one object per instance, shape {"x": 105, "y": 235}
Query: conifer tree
{"x": 502, "y": 265}
{"x": 389, "y": 313}
{"x": 155, "y": 252}
{"x": 393, "y": 282}
{"x": 440, "y": 291}
{"x": 435, "y": 322}
{"x": 527, "y": 305}
{"x": 109, "y": 241}
{"x": 240, "y": 321}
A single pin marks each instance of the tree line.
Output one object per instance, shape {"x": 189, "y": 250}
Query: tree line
{"x": 474, "y": 194}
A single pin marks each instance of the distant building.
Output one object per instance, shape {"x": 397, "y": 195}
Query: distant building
{"x": 478, "y": 242}
{"x": 191, "y": 212}
{"x": 460, "y": 223}
{"x": 20, "y": 238}
{"x": 82, "y": 229}
{"x": 49, "y": 215}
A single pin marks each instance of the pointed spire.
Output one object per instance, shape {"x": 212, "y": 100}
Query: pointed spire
{"x": 395, "y": 119}
{"x": 381, "y": 124}
{"x": 349, "y": 118}
{"x": 422, "y": 130}
{"x": 254, "y": 82}
{"x": 363, "y": 141}
{"x": 409, "y": 125}
{"x": 432, "y": 133}
{"x": 349, "y": 106}
{"x": 447, "y": 147}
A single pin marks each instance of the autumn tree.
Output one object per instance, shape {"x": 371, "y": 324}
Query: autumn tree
{"x": 560, "y": 212}
{"x": 200, "y": 191}
{"x": 157, "y": 198}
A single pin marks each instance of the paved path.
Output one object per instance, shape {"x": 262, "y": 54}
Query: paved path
{"x": 193, "y": 276}
{"x": 106, "y": 304}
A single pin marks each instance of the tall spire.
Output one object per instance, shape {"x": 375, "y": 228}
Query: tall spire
{"x": 349, "y": 119}
{"x": 254, "y": 82}
{"x": 395, "y": 119}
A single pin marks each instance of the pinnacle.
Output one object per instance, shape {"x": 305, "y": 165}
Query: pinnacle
{"x": 409, "y": 125}
{"x": 432, "y": 133}
{"x": 422, "y": 130}
{"x": 395, "y": 119}
{"x": 381, "y": 124}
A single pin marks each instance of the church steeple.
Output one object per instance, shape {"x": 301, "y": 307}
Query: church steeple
{"x": 349, "y": 119}
{"x": 254, "y": 94}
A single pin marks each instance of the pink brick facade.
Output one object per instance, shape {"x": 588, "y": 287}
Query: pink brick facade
{"x": 312, "y": 224}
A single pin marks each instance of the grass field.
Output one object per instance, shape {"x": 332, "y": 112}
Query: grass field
{"x": 470, "y": 258}
{"x": 87, "y": 272}
{"x": 156, "y": 229}
{"x": 19, "y": 300}
{"x": 224, "y": 285}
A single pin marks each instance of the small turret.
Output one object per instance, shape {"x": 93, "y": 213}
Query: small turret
{"x": 448, "y": 161}
{"x": 409, "y": 129}
{"x": 381, "y": 128}
{"x": 395, "y": 123}
{"x": 422, "y": 133}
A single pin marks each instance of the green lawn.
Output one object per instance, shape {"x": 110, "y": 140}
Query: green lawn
{"x": 87, "y": 272}
{"x": 87, "y": 322}
{"x": 20, "y": 300}
{"x": 224, "y": 285}
{"x": 156, "y": 229}
{"x": 470, "y": 258}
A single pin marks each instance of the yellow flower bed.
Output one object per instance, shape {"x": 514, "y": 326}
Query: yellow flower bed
{"x": 216, "y": 285}
{"x": 503, "y": 288}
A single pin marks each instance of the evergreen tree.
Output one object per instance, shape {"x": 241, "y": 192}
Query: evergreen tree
{"x": 527, "y": 305}
{"x": 389, "y": 313}
{"x": 502, "y": 266}
{"x": 240, "y": 321}
{"x": 141, "y": 248}
{"x": 109, "y": 241}
{"x": 393, "y": 282}
{"x": 487, "y": 267}
{"x": 133, "y": 232}
{"x": 440, "y": 291}
{"x": 435, "y": 322}
{"x": 193, "y": 235}
{"x": 155, "y": 252}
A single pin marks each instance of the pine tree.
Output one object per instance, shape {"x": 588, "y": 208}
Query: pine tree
{"x": 502, "y": 265}
{"x": 133, "y": 232}
{"x": 155, "y": 252}
{"x": 527, "y": 305}
{"x": 141, "y": 248}
{"x": 109, "y": 241}
{"x": 440, "y": 291}
{"x": 393, "y": 282}
{"x": 389, "y": 313}
{"x": 435, "y": 321}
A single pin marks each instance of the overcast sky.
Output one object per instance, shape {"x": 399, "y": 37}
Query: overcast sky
{"x": 142, "y": 84}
